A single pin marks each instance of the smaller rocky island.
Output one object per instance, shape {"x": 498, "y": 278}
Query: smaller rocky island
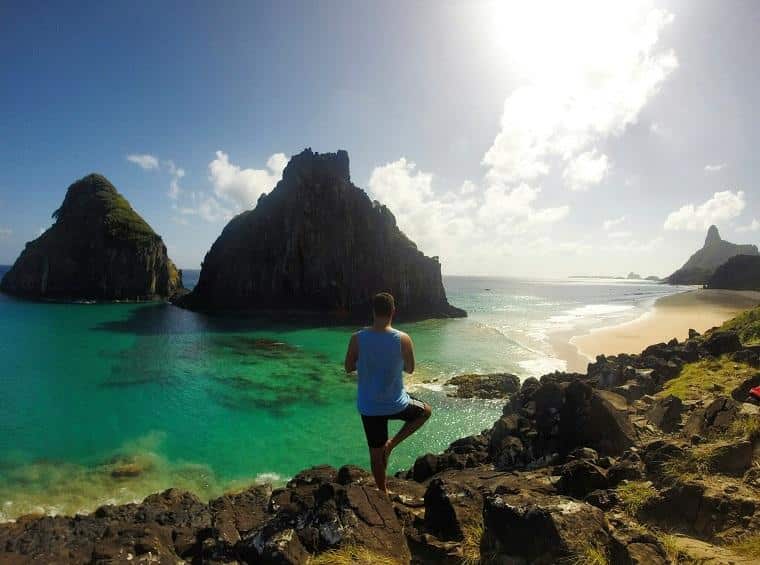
{"x": 99, "y": 248}
{"x": 317, "y": 244}
{"x": 702, "y": 264}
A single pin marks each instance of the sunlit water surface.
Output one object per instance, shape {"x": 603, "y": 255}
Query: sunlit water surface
{"x": 108, "y": 403}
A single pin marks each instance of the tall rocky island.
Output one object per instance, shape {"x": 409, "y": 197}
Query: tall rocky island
{"x": 317, "y": 243}
{"x": 99, "y": 248}
{"x": 716, "y": 251}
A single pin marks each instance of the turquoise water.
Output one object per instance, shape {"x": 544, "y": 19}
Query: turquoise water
{"x": 107, "y": 403}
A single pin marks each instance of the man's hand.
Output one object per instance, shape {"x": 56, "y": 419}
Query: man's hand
{"x": 352, "y": 354}
{"x": 407, "y": 352}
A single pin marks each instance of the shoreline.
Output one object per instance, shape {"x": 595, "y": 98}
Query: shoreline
{"x": 669, "y": 317}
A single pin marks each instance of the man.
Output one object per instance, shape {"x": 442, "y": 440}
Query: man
{"x": 380, "y": 354}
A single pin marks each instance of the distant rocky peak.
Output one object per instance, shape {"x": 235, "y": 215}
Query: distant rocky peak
{"x": 80, "y": 194}
{"x": 713, "y": 236}
{"x": 311, "y": 165}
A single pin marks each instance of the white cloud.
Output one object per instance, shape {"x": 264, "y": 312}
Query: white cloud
{"x": 722, "y": 206}
{"x": 715, "y": 168}
{"x": 207, "y": 208}
{"x": 144, "y": 161}
{"x": 754, "y": 225}
{"x": 5, "y": 233}
{"x": 176, "y": 174}
{"x": 592, "y": 86}
{"x": 586, "y": 169}
{"x": 658, "y": 129}
{"x": 243, "y": 187}
{"x": 609, "y": 224}
{"x": 619, "y": 234}
{"x": 465, "y": 226}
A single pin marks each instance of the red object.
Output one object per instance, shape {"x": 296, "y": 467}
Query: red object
{"x": 755, "y": 392}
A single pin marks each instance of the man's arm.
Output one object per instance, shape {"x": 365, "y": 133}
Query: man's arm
{"x": 352, "y": 354}
{"x": 407, "y": 352}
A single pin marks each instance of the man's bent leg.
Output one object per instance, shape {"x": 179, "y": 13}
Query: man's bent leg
{"x": 423, "y": 412}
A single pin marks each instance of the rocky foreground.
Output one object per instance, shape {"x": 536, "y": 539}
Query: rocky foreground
{"x": 649, "y": 458}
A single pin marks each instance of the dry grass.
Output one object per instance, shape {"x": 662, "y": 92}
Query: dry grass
{"x": 635, "y": 494}
{"x": 674, "y": 552}
{"x": 589, "y": 555}
{"x": 748, "y": 426}
{"x": 747, "y": 547}
{"x": 707, "y": 376}
{"x": 352, "y": 555}
{"x": 473, "y": 535}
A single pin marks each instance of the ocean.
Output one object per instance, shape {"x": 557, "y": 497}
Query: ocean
{"x": 106, "y": 403}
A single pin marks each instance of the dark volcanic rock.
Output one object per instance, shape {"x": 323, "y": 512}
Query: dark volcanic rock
{"x": 722, "y": 342}
{"x": 715, "y": 419}
{"x": 98, "y": 249}
{"x": 741, "y": 272}
{"x": 317, "y": 243}
{"x": 665, "y": 413}
{"x": 496, "y": 385}
{"x": 539, "y": 528}
{"x": 701, "y": 266}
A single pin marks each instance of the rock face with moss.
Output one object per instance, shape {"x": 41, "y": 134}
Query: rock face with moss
{"x": 701, "y": 266}
{"x": 99, "y": 248}
{"x": 317, "y": 243}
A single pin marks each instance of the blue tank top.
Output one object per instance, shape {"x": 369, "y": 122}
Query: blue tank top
{"x": 380, "y": 368}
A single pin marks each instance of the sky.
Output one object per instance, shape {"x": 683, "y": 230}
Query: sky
{"x": 539, "y": 139}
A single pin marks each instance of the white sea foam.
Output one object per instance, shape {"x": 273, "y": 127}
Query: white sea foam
{"x": 271, "y": 478}
{"x": 542, "y": 366}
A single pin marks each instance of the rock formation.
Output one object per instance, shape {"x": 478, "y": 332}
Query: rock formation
{"x": 741, "y": 272}
{"x": 700, "y": 266}
{"x": 317, "y": 243}
{"x": 99, "y": 248}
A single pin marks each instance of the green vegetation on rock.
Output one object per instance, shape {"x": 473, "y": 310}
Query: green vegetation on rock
{"x": 707, "y": 376}
{"x": 747, "y": 325}
{"x": 635, "y": 494}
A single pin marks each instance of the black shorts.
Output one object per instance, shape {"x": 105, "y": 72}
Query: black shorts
{"x": 376, "y": 427}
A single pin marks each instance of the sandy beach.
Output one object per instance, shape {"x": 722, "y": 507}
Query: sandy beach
{"x": 671, "y": 316}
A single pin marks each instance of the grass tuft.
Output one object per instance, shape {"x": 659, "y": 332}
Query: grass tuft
{"x": 473, "y": 536}
{"x": 635, "y": 494}
{"x": 748, "y": 426}
{"x": 707, "y": 376}
{"x": 674, "y": 552}
{"x": 589, "y": 555}
{"x": 747, "y": 547}
{"x": 352, "y": 555}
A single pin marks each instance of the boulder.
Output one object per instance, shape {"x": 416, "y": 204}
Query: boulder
{"x": 588, "y": 419}
{"x": 580, "y": 477}
{"x": 450, "y": 506}
{"x": 732, "y": 458}
{"x": 495, "y": 385}
{"x": 99, "y": 248}
{"x": 318, "y": 245}
{"x": 540, "y": 528}
{"x": 722, "y": 342}
{"x": 665, "y": 413}
{"x": 713, "y": 420}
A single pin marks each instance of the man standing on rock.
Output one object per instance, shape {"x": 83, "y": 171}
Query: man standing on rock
{"x": 380, "y": 354}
